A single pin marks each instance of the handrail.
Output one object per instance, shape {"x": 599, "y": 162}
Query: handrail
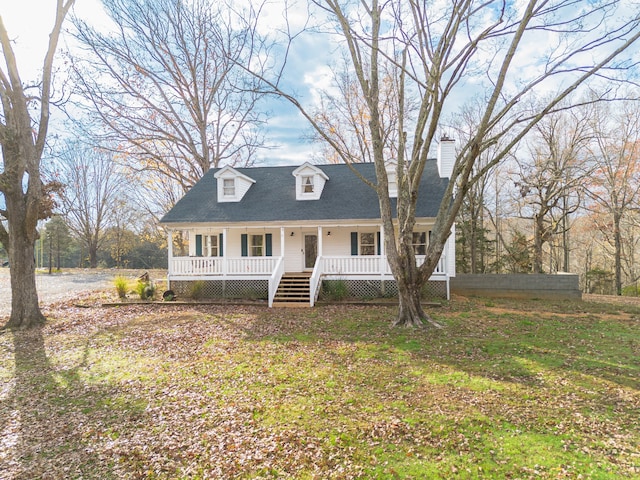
{"x": 314, "y": 281}
{"x": 274, "y": 280}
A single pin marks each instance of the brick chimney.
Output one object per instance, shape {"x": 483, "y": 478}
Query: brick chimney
{"x": 446, "y": 156}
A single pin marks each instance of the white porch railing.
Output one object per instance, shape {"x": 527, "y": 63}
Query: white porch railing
{"x": 268, "y": 266}
{"x": 219, "y": 266}
{"x": 274, "y": 280}
{"x": 314, "y": 281}
{"x": 368, "y": 265}
{"x": 272, "y": 269}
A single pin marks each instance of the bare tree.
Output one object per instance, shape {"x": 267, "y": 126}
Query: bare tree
{"x": 614, "y": 189}
{"x": 438, "y": 51}
{"x": 166, "y": 87}
{"x": 58, "y": 240}
{"x": 472, "y": 224}
{"x": 23, "y": 141}
{"x": 93, "y": 188}
{"x": 550, "y": 179}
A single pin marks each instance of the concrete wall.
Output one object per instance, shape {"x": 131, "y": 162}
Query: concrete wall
{"x": 517, "y": 285}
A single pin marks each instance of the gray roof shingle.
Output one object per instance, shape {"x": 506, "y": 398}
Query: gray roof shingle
{"x": 273, "y": 198}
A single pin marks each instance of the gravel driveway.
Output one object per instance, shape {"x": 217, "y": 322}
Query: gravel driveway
{"x": 60, "y": 286}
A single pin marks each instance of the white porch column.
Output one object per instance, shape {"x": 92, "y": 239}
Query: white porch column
{"x": 383, "y": 254}
{"x": 225, "y": 252}
{"x": 319, "y": 253}
{"x": 282, "y": 242}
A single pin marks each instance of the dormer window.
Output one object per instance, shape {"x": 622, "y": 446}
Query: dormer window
{"x": 307, "y": 184}
{"x": 229, "y": 187}
{"x": 310, "y": 182}
{"x": 232, "y": 185}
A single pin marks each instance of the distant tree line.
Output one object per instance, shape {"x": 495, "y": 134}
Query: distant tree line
{"x": 567, "y": 201}
{"x": 59, "y": 248}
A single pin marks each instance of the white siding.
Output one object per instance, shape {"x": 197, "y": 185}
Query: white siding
{"x": 242, "y": 186}
{"x": 336, "y": 244}
{"x": 450, "y": 252}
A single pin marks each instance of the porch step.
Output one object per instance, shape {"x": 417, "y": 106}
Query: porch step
{"x": 293, "y": 291}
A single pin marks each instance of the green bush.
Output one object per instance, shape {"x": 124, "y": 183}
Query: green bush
{"x": 335, "y": 290}
{"x": 122, "y": 286}
{"x": 196, "y": 289}
{"x": 145, "y": 290}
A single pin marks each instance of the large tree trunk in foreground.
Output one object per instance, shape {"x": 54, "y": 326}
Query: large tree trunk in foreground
{"x": 409, "y": 280}
{"x": 22, "y": 142}
{"x": 410, "y": 312}
{"x": 25, "y": 311}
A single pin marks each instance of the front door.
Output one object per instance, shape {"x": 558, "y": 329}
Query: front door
{"x": 310, "y": 251}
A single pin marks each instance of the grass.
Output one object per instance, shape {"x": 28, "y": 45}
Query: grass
{"x": 506, "y": 390}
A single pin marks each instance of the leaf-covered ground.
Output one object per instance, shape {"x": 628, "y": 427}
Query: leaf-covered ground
{"x": 505, "y": 390}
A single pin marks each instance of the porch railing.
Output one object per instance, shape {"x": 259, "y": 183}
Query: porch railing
{"x": 314, "y": 282}
{"x": 369, "y": 265}
{"x": 267, "y": 266}
{"x": 274, "y": 280}
{"x": 218, "y": 266}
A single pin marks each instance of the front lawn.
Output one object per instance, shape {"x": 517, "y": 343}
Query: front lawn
{"x": 505, "y": 390}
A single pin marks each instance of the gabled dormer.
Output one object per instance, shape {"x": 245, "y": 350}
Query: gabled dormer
{"x": 310, "y": 181}
{"x": 232, "y": 185}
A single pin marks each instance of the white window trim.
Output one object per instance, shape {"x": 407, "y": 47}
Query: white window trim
{"x": 232, "y": 181}
{"x": 308, "y": 181}
{"x": 262, "y": 246}
{"x": 209, "y": 247}
{"x": 361, "y": 245}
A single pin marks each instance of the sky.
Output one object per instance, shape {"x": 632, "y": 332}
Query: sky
{"x": 287, "y": 129}
{"x": 29, "y": 22}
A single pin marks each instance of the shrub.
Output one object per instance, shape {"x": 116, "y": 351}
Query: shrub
{"x": 145, "y": 290}
{"x": 335, "y": 290}
{"x": 122, "y": 286}
{"x": 196, "y": 289}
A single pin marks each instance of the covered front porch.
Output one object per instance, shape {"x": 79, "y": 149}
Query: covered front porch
{"x": 262, "y": 256}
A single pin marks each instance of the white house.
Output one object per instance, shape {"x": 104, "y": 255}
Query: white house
{"x": 278, "y": 232}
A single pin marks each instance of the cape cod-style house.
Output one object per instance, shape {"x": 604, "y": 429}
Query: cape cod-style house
{"x": 278, "y": 233}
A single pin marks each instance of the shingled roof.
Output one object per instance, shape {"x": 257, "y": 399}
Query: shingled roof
{"x": 273, "y": 198}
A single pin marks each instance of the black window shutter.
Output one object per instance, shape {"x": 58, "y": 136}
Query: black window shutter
{"x": 268, "y": 244}
{"x": 220, "y": 238}
{"x": 354, "y": 243}
{"x": 198, "y": 245}
{"x": 244, "y": 245}
{"x": 379, "y": 247}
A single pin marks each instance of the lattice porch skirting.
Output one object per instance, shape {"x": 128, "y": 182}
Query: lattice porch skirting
{"x": 249, "y": 289}
{"x": 259, "y": 289}
{"x": 368, "y": 289}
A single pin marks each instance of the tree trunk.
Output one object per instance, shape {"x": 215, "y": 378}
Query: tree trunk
{"x": 537, "y": 243}
{"x": 25, "y": 311}
{"x": 410, "y": 312}
{"x": 473, "y": 242}
{"x": 617, "y": 238}
{"x": 410, "y": 283}
{"x": 93, "y": 255}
